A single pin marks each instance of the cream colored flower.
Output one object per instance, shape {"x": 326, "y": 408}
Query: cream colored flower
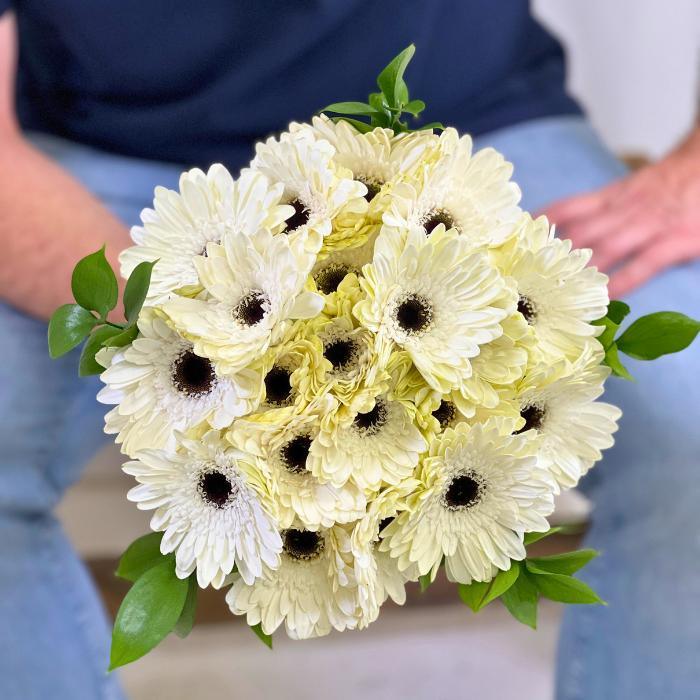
{"x": 481, "y": 490}
{"x": 212, "y": 506}
{"x": 312, "y": 591}
{"x": 455, "y": 188}
{"x": 558, "y": 295}
{"x": 377, "y": 573}
{"x": 374, "y": 158}
{"x": 254, "y": 287}
{"x": 437, "y": 299}
{"x": 284, "y": 446}
{"x": 314, "y": 186}
{"x": 558, "y": 403}
{"x": 159, "y": 385}
{"x": 206, "y": 208}
{"x": 380, "y": 446}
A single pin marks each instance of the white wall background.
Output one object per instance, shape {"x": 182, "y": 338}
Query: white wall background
{"x": 634, "y": 65}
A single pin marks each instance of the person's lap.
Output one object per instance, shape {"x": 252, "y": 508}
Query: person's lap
{"x": 53, "y": 640}
{"x": 646, "y": 643}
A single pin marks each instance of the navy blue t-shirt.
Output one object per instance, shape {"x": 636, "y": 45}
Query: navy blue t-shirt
{"x": 197, "y": 82}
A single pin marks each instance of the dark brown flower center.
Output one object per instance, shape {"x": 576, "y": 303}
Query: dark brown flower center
{"x": 329, "y": 278}
{"x": 435, "y": 218}
{"x": 464, "y": 491}
{"x": 278, "y": 386}
{"x": 215, "y": 488}
{"x": 251, "y": 308}
{"x": 385, "y": 523}
{"x": 302, "y": 545}
{"x": 373, "y": 420}
{"x": 373, "y": 188}
{"x": 299, "y": 218}
{"x": 192, "y": 375}
{"x": 527, "y": 309}
{"x": 295, "y": 452}
{"x": 534, "y": 417}
{"x": 340, "y": 353}
{"x": 445, "y": 413}
{"x": 414, "y": 314}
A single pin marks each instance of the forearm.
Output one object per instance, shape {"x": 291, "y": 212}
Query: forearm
{"x": 47, "y": 222}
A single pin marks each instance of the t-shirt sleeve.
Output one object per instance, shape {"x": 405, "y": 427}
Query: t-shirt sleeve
{"x": 4, "y": 5}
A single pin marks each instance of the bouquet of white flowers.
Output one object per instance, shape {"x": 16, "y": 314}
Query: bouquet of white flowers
{"x": 357, "y": 362}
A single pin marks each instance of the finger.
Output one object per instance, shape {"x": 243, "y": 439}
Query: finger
{"x": 573, "y": 207}
{"x": 626, "y": 240}
{"x": 587, "y": 231}
{"x": 651, "y": 261}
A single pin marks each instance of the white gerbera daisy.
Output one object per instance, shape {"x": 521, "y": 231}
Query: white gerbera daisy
{"x": 181, "y": 224}
{"x": 481, "y": 490}
{"x": 160, "y": 385}
{"x": 499, "y": 364}
{"x": 284, "y": 446}
{"x": 255, "y": 287}
{"x": 379, "y": 446}
{"x": 436, "y": 298}
{"x": 211, "y": 507}
{"x": 455, "y": 188}
{"x": 374, "y": 158}
{"x": 353, "y": 370}
{"x": 293, "y": 376}
{"x": 314, "y": 186}
{"x": 312, "y": 591}
{"x": 558, "y": 295}
{"x": 558, "y": 403}
{"x": 377, "y": 573}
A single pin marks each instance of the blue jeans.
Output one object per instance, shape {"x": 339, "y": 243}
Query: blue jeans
{"x": 53, "y": 636}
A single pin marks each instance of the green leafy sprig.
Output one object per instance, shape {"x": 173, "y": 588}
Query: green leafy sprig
{"x": 96, "y": 293}
{"x": 384, "y": 108}
{"x": 525, "y": 582}
{"x": 647, "y": 338}
{"x": 157, "y": 604}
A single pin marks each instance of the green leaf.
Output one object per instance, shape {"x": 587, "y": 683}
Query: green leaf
{"x": 68, "y": 327}
{"x": 414, "y": 107}
{"x": 94, "y": 284}
{"x": 185, "y": 623}
{"x": 617, "y": 310}
{"x": 362, "y": 127}
{"x": 136, "y": 290}
{"x": 123, "y": 337}
{"x": 532, "y": 537}
{"x": 357, "y": 108}
{"x": 612, "y": 360}
{"x": 567, "y": 563}
{"x": 521, "y": 600}
{"x": 477, "y": 594}
{"x": 266, "y": 639}
{"x": 148, "y": 613}
{"x": 424, "y": 582}
{"x": 431, "y": 126}
{"x": 658, "y": 334}
{"x": 88, "y": 364}
{"x": 390, "y": 80}
{"x": 565, "y": 589}
{"x": 140, "y": 556}
{"x": 607, "y": 337}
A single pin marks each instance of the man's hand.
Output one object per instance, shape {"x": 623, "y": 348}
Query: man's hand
{"x": 642, "y": 224}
